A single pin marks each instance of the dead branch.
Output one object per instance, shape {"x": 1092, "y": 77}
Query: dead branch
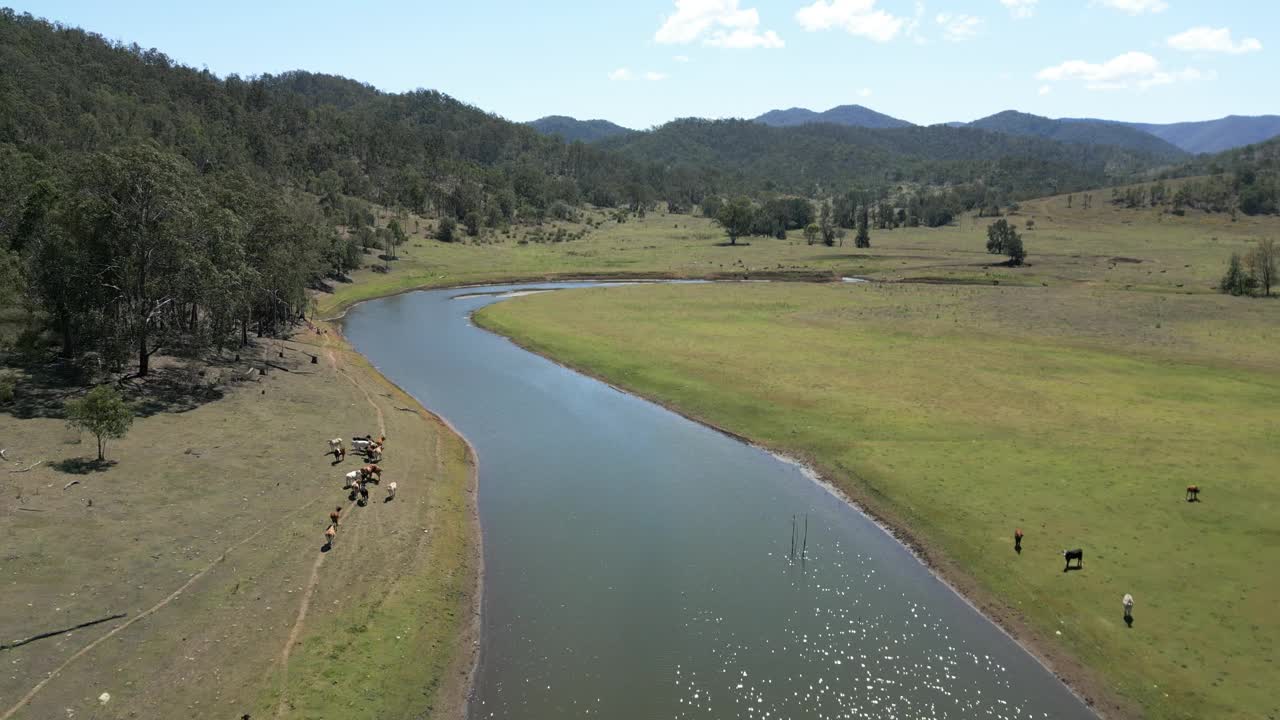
{"x": 73, "y": 482}
{"x": 27, "y": 468}
{"x": 41, "y": 636}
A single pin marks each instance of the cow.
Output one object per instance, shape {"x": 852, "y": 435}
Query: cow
{"x": 335, "y": 517}
{"x": 364, "y": 496}
{"x": 1128, "y": 609}
{"x": 1193, "y": 493}
{"x": 330, "y": 535}
{"x": 1017, "y": 540}
{"x": 371, "y": 473}
{"x": 351, "y": 478}
{"x": 335, "y": 445}
{"x": 360, "y": 445}
{"x": 391, "y": 491}
{"x": 1077, "y": 555}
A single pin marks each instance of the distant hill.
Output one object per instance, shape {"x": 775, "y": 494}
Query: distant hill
{"x": 1081, "y": 132}
{"x": 752, "y": 156}
{"x": 848, "y": 115}
{"x": 1211, "y": 136}
{"x": 571, "y": 129}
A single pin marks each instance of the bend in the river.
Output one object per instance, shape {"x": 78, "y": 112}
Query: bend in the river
{"x": 639, "y": 565}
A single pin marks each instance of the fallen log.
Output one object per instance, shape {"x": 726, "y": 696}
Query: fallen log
{"x": 73, "y": 482}
{"x": 27, "y": 468}
{"x": 41, "y": 636}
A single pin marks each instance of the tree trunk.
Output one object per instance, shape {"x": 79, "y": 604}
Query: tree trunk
{"x": 100, "y": 455}
{"x": 144, "y": 359}
{"x": 68, "y": 344}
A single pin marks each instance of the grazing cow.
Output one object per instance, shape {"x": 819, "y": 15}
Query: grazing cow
{"x": 391, "y": 490}
{"x": 351, "y": 479}
{"x": 335, "y": 446}
{"x": 1193, "y": 493}
{"x": 1128, "y": 608}
{"x": 374, "y": 453}
{"x": 1017, "y": 540}
{"x": 360, "y": 445}
{"x": 330, "y": 535}
{"x": 371, "y": 473}
{"x": 1077, "y": 555}
{"x": 335, "y": 517}
{"x": 364, "y": 496}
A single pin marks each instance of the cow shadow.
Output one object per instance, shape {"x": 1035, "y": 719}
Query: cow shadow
{"x": 1128, "y": 620}
{"x": 1072, "y": 568}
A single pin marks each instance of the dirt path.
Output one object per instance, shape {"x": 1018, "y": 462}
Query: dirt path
{"x": 313, "y": 582}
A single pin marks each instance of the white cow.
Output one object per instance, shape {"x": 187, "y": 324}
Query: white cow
{"x": 351, "y": 479}
{"x": 361, "y": 445}
{"x": 391, "y": 490}
{"x": 335, "y": 445}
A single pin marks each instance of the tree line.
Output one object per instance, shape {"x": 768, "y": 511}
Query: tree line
{"x": 125, "y": 253}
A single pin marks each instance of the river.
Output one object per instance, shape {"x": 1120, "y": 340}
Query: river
{"x": 639, "y": 565}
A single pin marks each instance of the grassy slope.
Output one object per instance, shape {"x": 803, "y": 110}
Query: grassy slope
{"x": 1180, "y": 254}
{"x": 961, "y": 413}
{"x": 193, "y": 485}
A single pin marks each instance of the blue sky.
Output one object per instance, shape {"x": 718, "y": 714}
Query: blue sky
{"x": 643, "y": 63}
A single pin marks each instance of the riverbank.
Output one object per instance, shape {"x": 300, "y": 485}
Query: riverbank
{"x": 204, "y": 529}
{"x": 953, "y": 422}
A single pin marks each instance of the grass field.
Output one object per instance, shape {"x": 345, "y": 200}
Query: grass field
{"x": 962, "y": 413}
{"x": 206, "y": 529}
{"x": 1105, "y": 245}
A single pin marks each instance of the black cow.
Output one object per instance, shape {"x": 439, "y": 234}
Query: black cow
{"x": 1077, "y": 555}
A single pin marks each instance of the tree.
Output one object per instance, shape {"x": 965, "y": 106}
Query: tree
{"x": 811, "y": 233}
{"x": 396, "y": 239}
{"x": 1236, "y": 281}
{"x": 472, "y": 221}
{"x": 133, "y": 209}
{"x": 102, "y": 412}
{"x": 736, "y": 217}
{"x": 446, "y": 229}
{"x": 863, "y": 238}
{"x": 1262, "y": 261}
{"x": 825, "y": 225}
{"x": 1003, "y": 239}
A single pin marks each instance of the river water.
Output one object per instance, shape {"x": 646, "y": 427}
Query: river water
{"x": 639, "y": 565}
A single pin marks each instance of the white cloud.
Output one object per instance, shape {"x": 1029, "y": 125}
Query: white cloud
{"x": 1136, "y": 7}
{"x": 857, "y": 17}
{"x": 1212, "y": 40}
{"x": 655, "y": 76}
{"x": 1132, "y": 69}
{"x": 681, "y": 58}
{"x": 958, "y": 27}
{"x": 718, "y": 23}
{"x": 620, "y": 74}
{"x": 864, "y": 92}
{"x": 1020, "y": 8}
{"x": 1045, "y": 89}
{"x": 741, "y": 39}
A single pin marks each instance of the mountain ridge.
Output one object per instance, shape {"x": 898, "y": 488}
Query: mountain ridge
{"x": 571, "y": 129}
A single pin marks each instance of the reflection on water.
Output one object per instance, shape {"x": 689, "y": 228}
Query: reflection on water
{"x": 638, "y": 565}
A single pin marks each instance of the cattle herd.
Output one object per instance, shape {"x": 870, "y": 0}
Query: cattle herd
{"x": 357, "y": 481}
{"x": 1193, "y": 495}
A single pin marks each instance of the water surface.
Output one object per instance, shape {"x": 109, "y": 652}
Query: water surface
{"x": 639, "y": 565}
